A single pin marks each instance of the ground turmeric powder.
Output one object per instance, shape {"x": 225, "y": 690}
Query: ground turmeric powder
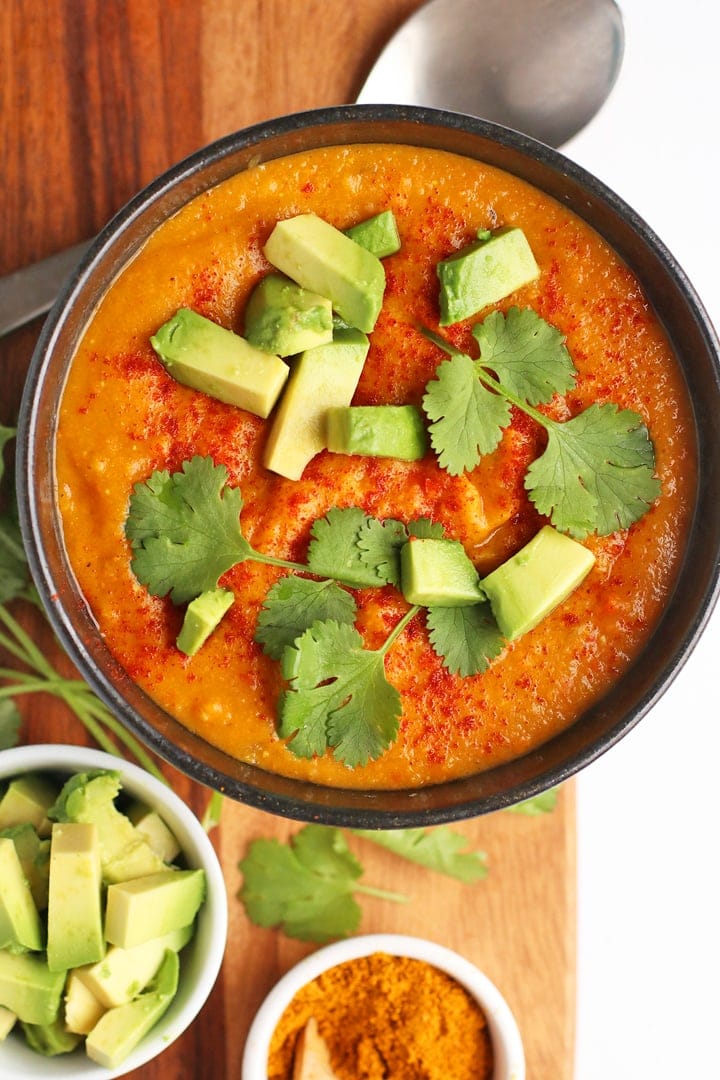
{"x": 388, "y": 1018}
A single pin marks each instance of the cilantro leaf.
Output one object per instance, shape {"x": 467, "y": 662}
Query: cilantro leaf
{"x": 291, "y": 607}
{"x": 339, "y": 696}
{"x": 15, "y": 580}
{"x": 467, "y": 418}
{"x": 334, "y": 550}
{"x": 596, "y": 473}
{"x": 466, "y": 638}
{"x": 527, "y": 354}
{"x": 426, "y": 529}
{"x": 380, "y": 543}
{"x": 440, "y": 849}
{"x": 307, "y": 888}
{"x": 7, "y": 434}
{"x": 544, "y": 803}
{"x": 9, "y": 724}
{"x": 185, "y": 530}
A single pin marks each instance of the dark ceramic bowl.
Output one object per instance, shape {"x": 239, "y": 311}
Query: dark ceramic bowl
{"x": 672, "y": 297}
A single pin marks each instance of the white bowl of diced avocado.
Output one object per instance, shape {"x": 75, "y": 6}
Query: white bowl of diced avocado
{"x": 113, "y": 914}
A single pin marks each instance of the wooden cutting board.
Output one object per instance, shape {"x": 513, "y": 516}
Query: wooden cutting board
{"x": 96, "y": 98}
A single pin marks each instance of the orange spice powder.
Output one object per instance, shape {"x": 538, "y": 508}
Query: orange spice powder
{"x": 387, "y": 1017}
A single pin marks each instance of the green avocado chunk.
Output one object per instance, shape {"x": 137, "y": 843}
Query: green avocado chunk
{"x": 34, "y": 855}
{"x": 151, "y": 906}
{"x": 50, "y": 1039}
{"x": 90, "y": 798}
{"x": 321, "y": 378}
{"x": 205, "y": 356}
{"x": 378, "y": 234}
{"x": 323, "y": 259}
{"x": 28, "y": 988}
{"x": 438, "y": 573}
{"x": 74, "y": 924}
{"x": 531, "y": 584}
{"x": 283, "y": 318}
{"x": 26, "y": 801}
{"x": 483, "y": 273}
{"x": 19, "y": 920}
{"x": 202, "y": 616}
{"x": 120, "y": 1029}
{"x": 395, "y": 431}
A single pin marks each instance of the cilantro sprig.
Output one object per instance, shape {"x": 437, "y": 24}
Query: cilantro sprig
{"x": 307, "y": 886}
{"x": 185, "y": 532}
{"x": 596, "y": 474}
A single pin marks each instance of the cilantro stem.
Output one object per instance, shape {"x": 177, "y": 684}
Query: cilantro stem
{"x": 381, "y": 894}
{"x": 398, "y": 629}
{"x": 498, "y": 387}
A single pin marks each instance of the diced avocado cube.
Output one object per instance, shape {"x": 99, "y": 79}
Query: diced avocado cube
{"x": 7, "y": 1022}
{"x": 205, "y": 356}
{"x": 202, "y": 615}
{"x": 34, "y": 855}
{"x": 283, "y": 318}
{"x": 74, "y": 931}
{"x": 321, "y": 378}
{"x": 89, "y": 798}
{"x": 151, "y": 906}
{"x": 28, "y": 988}
{"x": 19, "y": 919}
{"x": 119, "y": 1030}
{"x": 153, "y": 829}
{"x": 123, "y": 973}
{"x": 439, "y": 573}
{"x": 82, "y": 1008}
{"x": 396, "y": 431}
{"x": 531, "y": 584}
{"x": 483, "y": 273}
{"x": 27, "y": 801}
{"x": 323, "y": 259}
{"x": 379, "y": 234}
{"x": 50, "y": 1039}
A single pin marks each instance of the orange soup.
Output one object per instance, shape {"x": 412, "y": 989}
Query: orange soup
{"x": 123, "y": 416}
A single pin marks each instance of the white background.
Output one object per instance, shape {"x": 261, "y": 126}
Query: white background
{"x": 649, "y": 856}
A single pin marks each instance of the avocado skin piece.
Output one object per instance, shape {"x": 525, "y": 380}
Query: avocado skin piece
{"x": 207, "y": 357}
{"x": 50, "y": 1039}
{"x": 119, "y": 1031}
{"x": 395, "y": 431}
{"x": 484, "y": 273}
{"x": 283, "y": 318}
{"x": 324, "y": 260}
{"x": 378, "y": 234}
{"x": 531, "y": 584}
{"x": 438, "y": 573}
{"x": 202, "y": 616}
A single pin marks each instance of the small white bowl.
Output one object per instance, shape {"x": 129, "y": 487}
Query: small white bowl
{"x": 504, "y": 1033}
{"x": 200, "y": 959}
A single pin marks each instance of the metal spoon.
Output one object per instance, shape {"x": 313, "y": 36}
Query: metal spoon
{"x": 543, "y": 67}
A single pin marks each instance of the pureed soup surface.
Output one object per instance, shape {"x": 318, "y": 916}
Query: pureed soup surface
{"x": 123, "y": 416}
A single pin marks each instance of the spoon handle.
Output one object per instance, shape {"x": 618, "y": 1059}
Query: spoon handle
{"x": 32, "y": 290}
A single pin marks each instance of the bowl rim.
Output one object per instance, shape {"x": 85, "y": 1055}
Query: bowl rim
{"x": 504, "y": 1031}
{"x": 210, "y": 937}
{"x": 297, "y": 799}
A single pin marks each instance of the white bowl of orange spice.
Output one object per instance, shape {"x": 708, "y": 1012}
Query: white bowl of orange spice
{"x": 384, "y": 1005}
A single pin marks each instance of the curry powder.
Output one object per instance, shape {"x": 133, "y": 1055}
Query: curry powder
{"x": 388, "y": 1018}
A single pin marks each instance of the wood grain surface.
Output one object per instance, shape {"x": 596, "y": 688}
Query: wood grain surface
{"x": 96, "y": 98}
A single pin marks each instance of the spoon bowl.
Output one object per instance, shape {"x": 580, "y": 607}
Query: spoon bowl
{"x": 543, "y": 68}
